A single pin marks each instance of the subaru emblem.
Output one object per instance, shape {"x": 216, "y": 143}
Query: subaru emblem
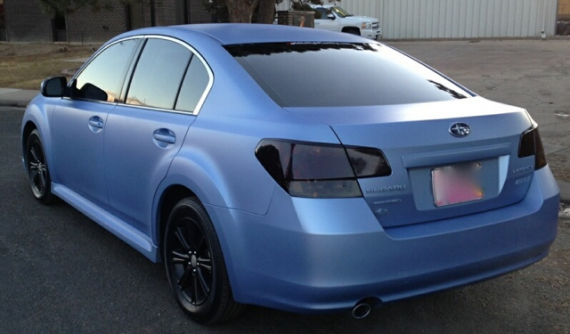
{"x": 459, "y": 129}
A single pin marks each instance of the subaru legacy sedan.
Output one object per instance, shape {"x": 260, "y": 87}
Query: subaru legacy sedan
{"x": 292, "y": 168}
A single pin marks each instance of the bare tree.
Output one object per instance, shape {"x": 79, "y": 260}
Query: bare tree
{"x": 241, "y": 11}
{"x": 265, "y": 11}
{"x": 238, "y": 11}
{"x": 54, "y": 7}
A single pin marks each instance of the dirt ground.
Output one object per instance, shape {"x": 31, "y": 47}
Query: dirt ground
{"x": 39, "y": 49}
{"x": 25, "y": 65}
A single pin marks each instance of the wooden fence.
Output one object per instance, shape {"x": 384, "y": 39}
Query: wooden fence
{"x": 564, "y": 9}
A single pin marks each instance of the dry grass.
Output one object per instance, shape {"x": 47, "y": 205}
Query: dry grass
{"x": 26, "y": 65}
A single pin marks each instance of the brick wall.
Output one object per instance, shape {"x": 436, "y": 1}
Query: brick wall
{"x": 86, "y": 25}
{"x": 198, "y": 14}
{"x": 25, "y": 22}
{"x": 2, "y": 22}
{"x": 165, "y": 12}
{"x": 170, "y": 12}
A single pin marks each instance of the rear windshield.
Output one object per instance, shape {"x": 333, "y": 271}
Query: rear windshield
{"x": 341, "y": 74}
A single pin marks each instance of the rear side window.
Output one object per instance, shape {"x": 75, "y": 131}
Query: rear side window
{"x": 193, "y": 87}
{"x": 158, "y": 74}
{"x": 341, "y": 74}
{"x": 103, "y": 76}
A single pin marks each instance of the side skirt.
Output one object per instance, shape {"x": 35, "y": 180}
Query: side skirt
{"x": 111, "y": 223}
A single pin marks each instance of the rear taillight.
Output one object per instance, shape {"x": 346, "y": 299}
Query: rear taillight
{"x": 320, "y": 170}
{"x": 531, "y": 144}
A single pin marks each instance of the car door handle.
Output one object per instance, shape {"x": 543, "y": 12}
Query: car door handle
{"x": 165, "y": 136}
{"x": 96, "y": 123}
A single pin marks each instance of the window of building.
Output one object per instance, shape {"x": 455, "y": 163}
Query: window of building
{"x": 181, "y": 12}
{"x": 59, "y": 28}
{"x": 2, "y": 22}
{"x": 135, "y": 15}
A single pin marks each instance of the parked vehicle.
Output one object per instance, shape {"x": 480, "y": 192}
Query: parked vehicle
{"x": 298, "y": 169}
{"x": 335, "y": 18}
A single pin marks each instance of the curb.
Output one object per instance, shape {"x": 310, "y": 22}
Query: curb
{"x": 564, "y": 212}
{"x": 564, "y": 191}
{"x": 13, "y": 103}
{"x": 13, "y": 97}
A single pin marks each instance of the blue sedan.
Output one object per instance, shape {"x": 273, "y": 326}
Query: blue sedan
{"x": 292, "y": 168}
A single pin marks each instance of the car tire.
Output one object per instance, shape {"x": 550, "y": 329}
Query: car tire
{"x": 195, "y": 265}
{"x": 37, "y": 168}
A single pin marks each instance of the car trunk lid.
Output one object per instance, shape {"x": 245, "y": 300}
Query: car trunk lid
{"x": 436, "y": 174}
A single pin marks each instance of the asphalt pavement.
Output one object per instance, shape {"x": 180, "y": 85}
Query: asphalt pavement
{"x": 532, "y": 74}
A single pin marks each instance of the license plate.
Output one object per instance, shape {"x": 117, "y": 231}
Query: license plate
{"x": 457, "y": 184}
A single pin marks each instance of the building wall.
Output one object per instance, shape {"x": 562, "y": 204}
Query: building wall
{"x": 431, "y": 19}
{"x": 2, "y": 22}
{"x": 198, "y": 14}
{"x": 25, "y": 22}
{"x": 164, "y": 13}
{"x": 419, "y": 19}
{"x": 172, "y": 12}
{"x": 86, "y": 25}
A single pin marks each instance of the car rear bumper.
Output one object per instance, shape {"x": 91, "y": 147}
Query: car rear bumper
{"x": 311, "y": 255}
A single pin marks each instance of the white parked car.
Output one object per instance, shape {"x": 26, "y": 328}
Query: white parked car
{"x": 336, "y": 18}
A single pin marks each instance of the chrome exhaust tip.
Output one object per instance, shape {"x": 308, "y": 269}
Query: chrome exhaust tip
{"x": 362, "y": 309}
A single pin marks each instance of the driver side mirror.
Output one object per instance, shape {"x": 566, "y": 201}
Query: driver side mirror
{"x": 331, "y": 16}
{"x": 54, "y": 87}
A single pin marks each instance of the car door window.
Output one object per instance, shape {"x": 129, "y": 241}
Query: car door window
{"x": 323, "y": 13}
{"x": 194, "y": 86}
{"x": 158, "y": 74}
{"x": 103, "y": 76}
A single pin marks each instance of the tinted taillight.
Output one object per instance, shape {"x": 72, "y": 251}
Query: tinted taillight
{"x": 531, "y": 144}
{"x": 368, "y": 162}
{"x": 319, "y": 170}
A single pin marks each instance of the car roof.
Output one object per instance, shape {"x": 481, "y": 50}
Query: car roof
{"x": 247, "y": 33}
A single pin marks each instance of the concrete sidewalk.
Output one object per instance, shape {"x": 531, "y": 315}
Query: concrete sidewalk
{"x": 16, "y": 97}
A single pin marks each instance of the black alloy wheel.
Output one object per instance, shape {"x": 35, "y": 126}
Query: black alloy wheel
{"x": 37, "y": 168}
{"x": 195, "y": 265}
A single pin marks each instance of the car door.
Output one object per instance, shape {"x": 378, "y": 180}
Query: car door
{"x": 78, "y": 122}
{"x": 145, "y": 133}
{"x": 324, "y": 22}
